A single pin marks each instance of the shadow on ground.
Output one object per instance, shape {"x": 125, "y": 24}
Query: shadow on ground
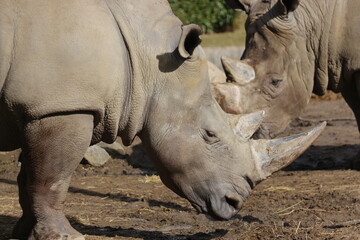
{"x": 325, "y": 158}
{"x": 6, "y": 224}
{"x": 147, "y": 234}
{"x": 117, "y": 196}
{"x": 6, "y": 221}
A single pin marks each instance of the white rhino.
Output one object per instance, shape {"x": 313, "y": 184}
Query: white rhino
{"x": 73, "y": 73}
{"x": 294, "y": 47}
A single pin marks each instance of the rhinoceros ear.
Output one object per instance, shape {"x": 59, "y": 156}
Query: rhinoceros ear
{"x": 189, "y": 40}
{"x": 273, "y": 155}
{"x": 243, "y": 5}
{"x": 289, "y": 5}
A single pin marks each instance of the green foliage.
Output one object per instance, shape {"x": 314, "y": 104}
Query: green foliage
{"x": 211, "y": 15}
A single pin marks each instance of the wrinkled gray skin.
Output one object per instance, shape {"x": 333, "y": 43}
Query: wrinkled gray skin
{"x": 73, "y": 73}
{"x": 297, "y": 47}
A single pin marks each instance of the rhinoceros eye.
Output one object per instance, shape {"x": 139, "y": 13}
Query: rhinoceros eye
{"x": 210, "y": 137}
{"x": 276, "y": 82}
{"x": 210, "y": 133}
{"x": 273, "y": 86}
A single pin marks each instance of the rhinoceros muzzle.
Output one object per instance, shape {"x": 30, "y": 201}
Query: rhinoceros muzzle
{"x": 220, "y": 208}
{"x": 226, "y": 207}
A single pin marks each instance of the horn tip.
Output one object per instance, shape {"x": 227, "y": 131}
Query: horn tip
{"x": 319, "y": 128}
{"x": 225, "y": 58}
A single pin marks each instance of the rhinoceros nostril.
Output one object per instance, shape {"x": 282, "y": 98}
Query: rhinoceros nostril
{"x": 234, "y": 200}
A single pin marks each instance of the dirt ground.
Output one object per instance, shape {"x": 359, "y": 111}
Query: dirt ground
{"x": 317, "y": 197}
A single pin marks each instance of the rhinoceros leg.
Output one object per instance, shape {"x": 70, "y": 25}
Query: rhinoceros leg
{"x": 351, "y": 94}
{"x": 27, "y": 221}
{"x": 52, "y": 149}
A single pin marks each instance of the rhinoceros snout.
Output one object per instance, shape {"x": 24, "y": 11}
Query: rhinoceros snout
{"x": 225, "y": 207}
{"x": 234, "y": 200}
{"x": 220, "y": 208}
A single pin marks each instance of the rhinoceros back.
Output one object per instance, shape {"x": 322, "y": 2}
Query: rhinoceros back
{"x": 66, "y": 56}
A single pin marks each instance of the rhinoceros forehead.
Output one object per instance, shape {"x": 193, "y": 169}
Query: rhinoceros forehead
{"x": 192, "y": 75}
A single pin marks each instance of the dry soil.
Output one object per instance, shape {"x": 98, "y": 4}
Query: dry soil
{"x": 316, "y": 197}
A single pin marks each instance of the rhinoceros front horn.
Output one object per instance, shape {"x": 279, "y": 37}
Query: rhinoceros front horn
{"x": 273, "y": 155}
{"x": 237, "y": 70}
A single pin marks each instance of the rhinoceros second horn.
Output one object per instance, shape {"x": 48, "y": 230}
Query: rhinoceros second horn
{"x": 244, "y": 126}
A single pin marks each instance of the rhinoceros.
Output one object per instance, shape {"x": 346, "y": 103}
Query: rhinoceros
{"x": 74, "y": 73}
{"x": 293, "y": 48}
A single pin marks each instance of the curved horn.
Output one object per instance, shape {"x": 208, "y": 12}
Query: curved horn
{"x": 244, "y": 126}
{"x": 237, "y": 70}
{"x": 273, "y": 155}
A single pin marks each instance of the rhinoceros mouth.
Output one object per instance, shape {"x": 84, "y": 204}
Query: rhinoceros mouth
{"x": 215, "y": 210}
{"x": 199, "y": 208}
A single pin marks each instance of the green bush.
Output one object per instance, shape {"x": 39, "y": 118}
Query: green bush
{"x": 211, "y": 15}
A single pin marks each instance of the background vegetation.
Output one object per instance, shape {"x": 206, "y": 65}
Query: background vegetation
{"x": 211, "y": 15}
{"x": 231, "y": 38}
{"x": 222, "y": 25}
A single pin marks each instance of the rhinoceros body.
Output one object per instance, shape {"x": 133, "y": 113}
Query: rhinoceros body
{"x": 295, "y": 47}
{"x": 70, "y": 57}
{"x": 73, "y": 73}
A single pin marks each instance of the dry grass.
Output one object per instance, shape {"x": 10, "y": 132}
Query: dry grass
{"x": 280, "y": 188}
{"x": 236, "y": 38}
{"x": 151, "y": 179}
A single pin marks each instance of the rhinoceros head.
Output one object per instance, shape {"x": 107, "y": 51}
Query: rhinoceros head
{"x": 201, "y": 153}
{"x": 275, "y": 73}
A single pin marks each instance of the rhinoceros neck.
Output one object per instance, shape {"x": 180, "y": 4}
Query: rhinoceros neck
{"x": 149, "y": 29}
{"x": 317, "y": 18}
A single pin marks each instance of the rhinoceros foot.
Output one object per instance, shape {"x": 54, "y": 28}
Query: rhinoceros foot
{"x": 62, "y": 230}
{"x": 23, "y": 227}
{"x": 355, "y": 162}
